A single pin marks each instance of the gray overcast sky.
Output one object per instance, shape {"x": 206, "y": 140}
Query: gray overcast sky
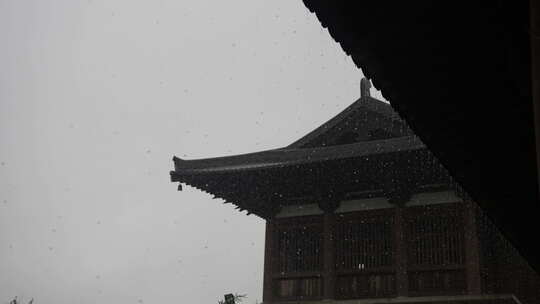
{"x": 96, "y": 97}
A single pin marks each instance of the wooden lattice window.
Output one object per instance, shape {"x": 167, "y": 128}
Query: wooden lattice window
{"x": 436, "y": 249}
{"x": 298, "y": 259}
{"x": 364, "y": 254}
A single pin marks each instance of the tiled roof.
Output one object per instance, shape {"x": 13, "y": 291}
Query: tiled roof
{"x": 289, "y": 156}
{"x": 364, "y": 103}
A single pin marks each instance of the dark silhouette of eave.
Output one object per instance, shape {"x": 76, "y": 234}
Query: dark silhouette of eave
{"x": 459, "y": 74}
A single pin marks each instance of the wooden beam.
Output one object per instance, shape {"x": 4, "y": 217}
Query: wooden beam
{"x": 472, "y": 254}
{"x": 268, "y": 288}
{"x": 329, "y": 275}
{"x": 400, "y": 253}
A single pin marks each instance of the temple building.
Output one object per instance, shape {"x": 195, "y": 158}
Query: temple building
{"x": 360, "y": 211}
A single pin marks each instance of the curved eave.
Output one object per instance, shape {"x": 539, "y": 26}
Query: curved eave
{"x": 239, "y": 205}
{"x": 288, "y": 157}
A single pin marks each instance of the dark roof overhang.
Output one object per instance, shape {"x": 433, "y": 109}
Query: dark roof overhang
{"x": 458, "y": 72}
{"x": 263, "y": 182}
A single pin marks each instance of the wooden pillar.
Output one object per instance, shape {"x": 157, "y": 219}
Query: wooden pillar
{"x": 400, "y": 253}
{"x": 472, "y": 254}
{"x": 329, "y": 277}
{"x": 268, "y": 288}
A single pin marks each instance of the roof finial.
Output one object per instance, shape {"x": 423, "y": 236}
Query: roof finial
{"x": 365, "y": 85}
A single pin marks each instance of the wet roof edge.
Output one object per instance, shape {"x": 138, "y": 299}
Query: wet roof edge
{"x": 287, "y": 156}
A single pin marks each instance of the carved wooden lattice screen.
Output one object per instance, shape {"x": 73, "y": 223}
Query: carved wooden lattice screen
{"x": 364, "y": 254}
{"x": 436, "y": 253}
{"x": 298, "y": 263}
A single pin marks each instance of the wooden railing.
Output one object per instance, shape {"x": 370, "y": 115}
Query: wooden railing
{"x": 437, "y": 282}
{"x": 365, "y": 285}
{"x": 298, "y": 288}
